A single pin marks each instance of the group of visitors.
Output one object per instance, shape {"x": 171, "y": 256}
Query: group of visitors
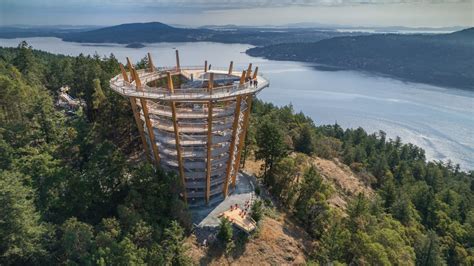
{"x": 243, "y": 212}
{"x": 252, "y": 82}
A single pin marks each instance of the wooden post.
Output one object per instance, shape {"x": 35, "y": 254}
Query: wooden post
{"x": 177, "y": 140}
{"x": 255, "y": 73}
{"x": 210, "y": 83}
{"x": 231, "y": 66}
{"x": 242, "y": 78}
{"x": 205, "y": 66}
{"x": 138, "y": 84}
{"x": 209, "y": 139}
{"x": 151, "y": 66}
{"x": 151, "y": 133}
{"x": 124, "y": 73}
{"x": 178, "y": 66}
{"x": 242, "y": 138}
{"x": 130, "y": 67}
{"x": 138, "y": 121}
{"x": 209, "y": 151}
{"x": 232, "y": 144}
{"x": 136, "y": 115}
{"x": 249, "y": 71}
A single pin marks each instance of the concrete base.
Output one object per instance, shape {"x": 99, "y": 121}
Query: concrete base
{"x": 207, "y": 216}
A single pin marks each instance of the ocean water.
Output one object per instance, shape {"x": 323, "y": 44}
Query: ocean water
{"x": 440, "y": 120}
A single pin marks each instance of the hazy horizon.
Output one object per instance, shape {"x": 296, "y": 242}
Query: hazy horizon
{"x": 353, "y": 13}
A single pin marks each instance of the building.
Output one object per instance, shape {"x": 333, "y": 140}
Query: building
{"x": 192, "y": 120}
{"x": 66, "y": 101}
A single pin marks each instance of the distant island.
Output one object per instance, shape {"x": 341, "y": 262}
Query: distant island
{"x": 441, "y": 59}
{"x": 135, "y": 45}
{"x": 155, "y": 32}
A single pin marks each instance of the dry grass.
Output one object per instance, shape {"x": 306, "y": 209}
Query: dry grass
{"x": 278, "y": 242}
{"x": 346, "y": 183}
{"x": 253, "y": 167}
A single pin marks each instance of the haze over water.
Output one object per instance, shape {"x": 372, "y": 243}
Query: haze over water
{"x": 440, "y": 120}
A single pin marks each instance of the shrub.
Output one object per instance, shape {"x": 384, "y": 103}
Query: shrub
{"x": 257, "y": 210}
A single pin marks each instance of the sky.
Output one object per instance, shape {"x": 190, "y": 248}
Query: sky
{"x": 369, "y": 13}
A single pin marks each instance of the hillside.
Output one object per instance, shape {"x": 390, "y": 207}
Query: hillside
{"x": 278, "y": 242}
{"x": 138, "y": 32}
{"x": 443, "y": 59}
{"x": 345, "y": 182}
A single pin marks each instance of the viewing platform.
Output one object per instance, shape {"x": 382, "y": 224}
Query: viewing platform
{"x": 191, "y": 73}
{"x": 192, "y": 120}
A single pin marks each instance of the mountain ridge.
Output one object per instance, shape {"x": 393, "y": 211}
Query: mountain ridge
{"x": 156, "y": 32}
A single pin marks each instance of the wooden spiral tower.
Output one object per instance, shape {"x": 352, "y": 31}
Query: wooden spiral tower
{"x": 192, "y": 120}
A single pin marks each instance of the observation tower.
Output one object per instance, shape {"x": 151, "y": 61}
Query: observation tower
{"x": 192, "y": 120}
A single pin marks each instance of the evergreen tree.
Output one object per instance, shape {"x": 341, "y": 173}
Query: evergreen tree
{"x": 334, "y": 243}
{"x": 429, "y": 253}
{"x": 305, "y": 140}
{"x": 270, "y": 142}
{"x": 98, "y": 97}
{"x": 225, "y": 231}
{"x": 76, "y": 242}
{"x": 311, "y": 206}
{"x": 26, "y": 62}
{"x": 20, "y": 227}
{"x": 257, "y": 210}
{"x": 225, "y": 234}
{"x": 173, "y": 245}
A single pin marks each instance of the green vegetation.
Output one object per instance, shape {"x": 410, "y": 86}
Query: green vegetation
{"x": 225, "y": 231}
{"x": 72, "y": 193}
{"x": 68, "y": 193}
{"x": 257, "y": 210}
{"x": 422, "y": 212}
{"x": 225, "y": 234}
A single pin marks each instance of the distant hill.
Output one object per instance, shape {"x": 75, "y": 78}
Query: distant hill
{"x": 154, "y": 32}
{"x": 137, "y": 32}
{"x": 441, "y": 59}
{"x": 10, "y": 32}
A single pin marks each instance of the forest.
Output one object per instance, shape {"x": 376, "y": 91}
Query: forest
{"x": 74, "y": 191}
{"x": 422, "y": 212}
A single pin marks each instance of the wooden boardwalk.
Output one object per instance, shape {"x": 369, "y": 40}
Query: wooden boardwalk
{"x": 243, "y": 222}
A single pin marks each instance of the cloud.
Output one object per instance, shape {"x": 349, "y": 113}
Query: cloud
{"x": 215, "y": 3}
{"x": 250, "y": 12}
{"x": 273, "y": 3}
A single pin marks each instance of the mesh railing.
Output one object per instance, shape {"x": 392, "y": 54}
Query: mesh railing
{"x": 128, "y": 88}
